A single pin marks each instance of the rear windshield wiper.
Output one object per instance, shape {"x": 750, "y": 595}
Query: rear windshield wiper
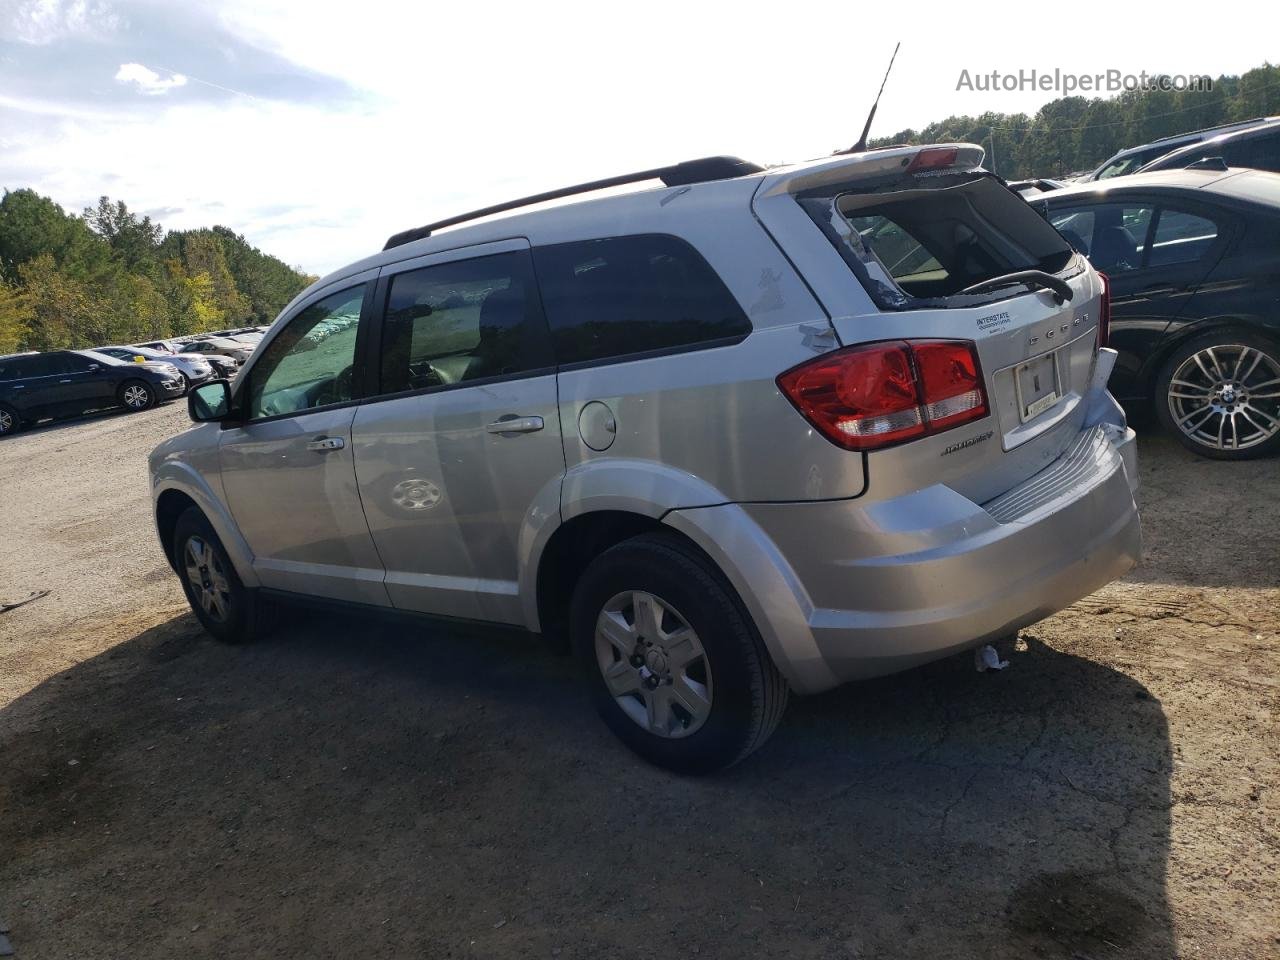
{"x": 1034, "y": 278}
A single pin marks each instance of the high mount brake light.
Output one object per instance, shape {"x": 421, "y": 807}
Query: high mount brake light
{"x": 1104, "y": 312}
{"x": 933, "y": 158}
{"x": 881, "y": 394}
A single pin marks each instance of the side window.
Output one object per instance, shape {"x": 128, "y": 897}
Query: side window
{"x": 462, "y": 321}
{"x": 41, "y": 365}
{"x": 1180, "y": 238}
{"x": 1260, "y": 153}
{"x": 1076, "y": 227}
{"x": 1116, "y": 236}
{"x": 310, "y": 363}
{"x": 16, "y": 368}
{"x": 74, "y": 363}
{"x": 628, "y": 295}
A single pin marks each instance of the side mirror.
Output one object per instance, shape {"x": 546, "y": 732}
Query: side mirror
{"x": 210, "y": 401}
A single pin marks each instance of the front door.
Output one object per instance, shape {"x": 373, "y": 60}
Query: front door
{"x": 288, "y": 469}
{"x": 462, "y": 443}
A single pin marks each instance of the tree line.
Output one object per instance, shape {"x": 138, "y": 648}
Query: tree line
{"x": 1075, "y": 134}
{"x": 110, "y": 276}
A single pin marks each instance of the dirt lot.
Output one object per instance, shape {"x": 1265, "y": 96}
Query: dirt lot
{"x": 354, "y": 788}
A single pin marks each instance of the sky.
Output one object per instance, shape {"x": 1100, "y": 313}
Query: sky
{"x": 318, "y": 129}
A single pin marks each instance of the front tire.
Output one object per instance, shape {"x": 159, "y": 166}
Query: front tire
{"x": 136, "y": 395}
{"x": 222, "y": 604}
{"x": 675, "y": 667}
{"x": 10, "y": 422}
{"x": 1219, "y": 394}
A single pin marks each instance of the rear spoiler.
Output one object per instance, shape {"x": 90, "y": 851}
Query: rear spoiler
{"x": 927, "y": 161}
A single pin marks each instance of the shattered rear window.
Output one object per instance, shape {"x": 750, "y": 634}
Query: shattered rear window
{"x": 924, "y": 245}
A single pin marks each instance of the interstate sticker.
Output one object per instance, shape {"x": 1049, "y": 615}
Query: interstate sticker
{"x": 997, "y": 321}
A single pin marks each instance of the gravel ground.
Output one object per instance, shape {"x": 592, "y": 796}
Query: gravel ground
{"x": 360, "y": 788}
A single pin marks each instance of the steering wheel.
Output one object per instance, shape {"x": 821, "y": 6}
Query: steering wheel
{"x": 336, "y": 390}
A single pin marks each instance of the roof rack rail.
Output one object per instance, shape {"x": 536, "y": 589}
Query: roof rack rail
{"x": 676, "y": 175}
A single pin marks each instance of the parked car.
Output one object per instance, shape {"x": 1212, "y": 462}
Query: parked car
{"x": 164, "y": 346}
{"x": 1035, "y": 187}
{"x": 1133, "y": 159}
{"x": 220, "y": 346}
{"x": 747, "y": 433}
{"x": 194, "y": 367}
{"x": 1257, "y": 147}
{"x": 1191, "y": 257}
{"x": 42, "y": 386}
{"x": 224, "y": 367}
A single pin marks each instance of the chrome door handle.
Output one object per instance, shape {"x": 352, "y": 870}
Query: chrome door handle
{"x": 325, "y": 444}
{"x": 513, "y": 424}
{"x": 64, "y": 381}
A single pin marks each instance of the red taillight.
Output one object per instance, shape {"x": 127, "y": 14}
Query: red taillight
{"x": 1104, "y": 312}
{"x": 877, "y": 395}
{"x": 933, "y": 158}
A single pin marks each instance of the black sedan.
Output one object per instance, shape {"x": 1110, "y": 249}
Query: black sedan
{"x": 61, "y": 383}
{"x": 1193, "y": 261}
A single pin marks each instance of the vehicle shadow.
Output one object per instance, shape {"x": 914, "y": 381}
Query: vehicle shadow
{"x": 353, "y": 787}
{"x": 85, "y": 419}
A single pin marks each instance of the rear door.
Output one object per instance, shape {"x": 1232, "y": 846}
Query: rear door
{"x": 1155, "y": 254}
{"x": 288, "y": 468}
{"x": 42, "y": 388}
{"x": 462, "y": 441}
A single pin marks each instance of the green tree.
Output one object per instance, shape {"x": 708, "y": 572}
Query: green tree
{"x": 133, "y": 240}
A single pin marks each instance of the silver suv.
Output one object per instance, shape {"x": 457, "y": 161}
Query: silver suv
{"x": 744, "y": 433}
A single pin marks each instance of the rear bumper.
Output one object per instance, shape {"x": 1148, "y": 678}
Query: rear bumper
{"x": 848, "y": 589}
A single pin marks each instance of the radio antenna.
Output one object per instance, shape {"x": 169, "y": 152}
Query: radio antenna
{"x": 866, "y": 130}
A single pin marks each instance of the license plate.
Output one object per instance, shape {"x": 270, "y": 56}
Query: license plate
{"x": 1038, "y": 386}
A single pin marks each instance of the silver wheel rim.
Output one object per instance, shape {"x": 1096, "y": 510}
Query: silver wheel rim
{"x": 653, "y": 664}
{"x": 136, "y": 396}
{"x": 1227, "y": 397}
{"x": 207, "y": 578}
{"x": 6, "y": 421}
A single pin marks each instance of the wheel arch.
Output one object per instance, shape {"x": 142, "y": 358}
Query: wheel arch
{"x": 178, "y": 488}
{"x": 569, "y": 550}
{"x": 1149, "y": 374}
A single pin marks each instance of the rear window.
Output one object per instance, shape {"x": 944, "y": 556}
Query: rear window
{"x": 622, "y": 296}
{"x": 924, "y": 246}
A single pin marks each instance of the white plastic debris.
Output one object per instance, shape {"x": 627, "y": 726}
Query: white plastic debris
{"x": 985, "y": 658}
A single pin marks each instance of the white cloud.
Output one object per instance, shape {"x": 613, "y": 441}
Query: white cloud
{"x": 147, "y": 80}
{"x": 43, "y": 22}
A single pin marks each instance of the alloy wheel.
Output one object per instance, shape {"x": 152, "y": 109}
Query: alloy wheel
{"x": 1227, "y": 397}
{"x": 136, "y": 396}
{"x": 653, "y": 664}
{"x": 6, "y": 422}
{"x": 208, "y": 579}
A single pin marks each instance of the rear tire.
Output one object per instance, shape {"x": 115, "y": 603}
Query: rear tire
{"x": 10, "y": 422}
{"x": 1219, "y": 394}
{"x": 136, "y": 395}
{"x": 691, "y": 686}
{"x": 223, "y": 605}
